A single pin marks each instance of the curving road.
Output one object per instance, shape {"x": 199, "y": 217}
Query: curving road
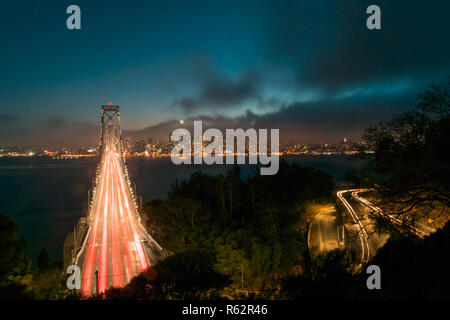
{"x": 355, "y": 206}
{"x": 420, "y": 230}
{"x": 363, "y": 242}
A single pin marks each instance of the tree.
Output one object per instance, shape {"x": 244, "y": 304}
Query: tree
{"x": 186, "y": 275}
{"x": 412, "y": 154}
{"x": 14, "y": 266}
{"x": 330, "y": 276}
{"x": 244, "y": 226}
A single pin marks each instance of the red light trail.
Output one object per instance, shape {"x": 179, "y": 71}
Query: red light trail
{"x": 114, "y": 246}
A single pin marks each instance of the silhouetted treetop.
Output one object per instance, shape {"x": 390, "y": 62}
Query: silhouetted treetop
{"x": 412, "y": 153}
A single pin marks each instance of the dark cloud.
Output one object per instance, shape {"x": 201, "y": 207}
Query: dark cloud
{"x": 219, "y": 90}
{"x": 8, "y": 118}
{"x": 319, "y": 122}
{"x": 327, "y": 44}
{"x": 337, "y": 54}
{"x": 52, "y": 132}
{"x": 224, "y": 91}
{"x": 186, "y": 104}
{"x": 409, "y": 45}
{"x": 322, "y": 121}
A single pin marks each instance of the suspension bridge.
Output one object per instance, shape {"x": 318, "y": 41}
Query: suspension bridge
{"x": 116, "y": 246}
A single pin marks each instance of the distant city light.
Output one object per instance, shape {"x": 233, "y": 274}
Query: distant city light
{"x": 181, "y": 121}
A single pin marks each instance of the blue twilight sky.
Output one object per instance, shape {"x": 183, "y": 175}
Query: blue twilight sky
{"x": 310, "y": 68}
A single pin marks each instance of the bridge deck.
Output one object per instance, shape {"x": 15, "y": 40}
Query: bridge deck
{"x": 117, "y": 246}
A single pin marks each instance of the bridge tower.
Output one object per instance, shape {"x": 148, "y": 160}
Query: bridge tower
{"x": 110, "y": 134}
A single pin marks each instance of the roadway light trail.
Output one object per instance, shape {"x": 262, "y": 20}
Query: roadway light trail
{"x": 117, "y": 246}
{"x": 88, "y": 272}
{"x": 420, "y": 232}
{"x": 362, "y": 234}
{"x": 103, "y": 265}
{"x": 116, "y": 256}
{"x": 131, "y": 220}
{"x": 126, "y": 250}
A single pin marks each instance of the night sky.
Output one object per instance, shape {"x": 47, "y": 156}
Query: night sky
{"x": 310, "y": 68}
